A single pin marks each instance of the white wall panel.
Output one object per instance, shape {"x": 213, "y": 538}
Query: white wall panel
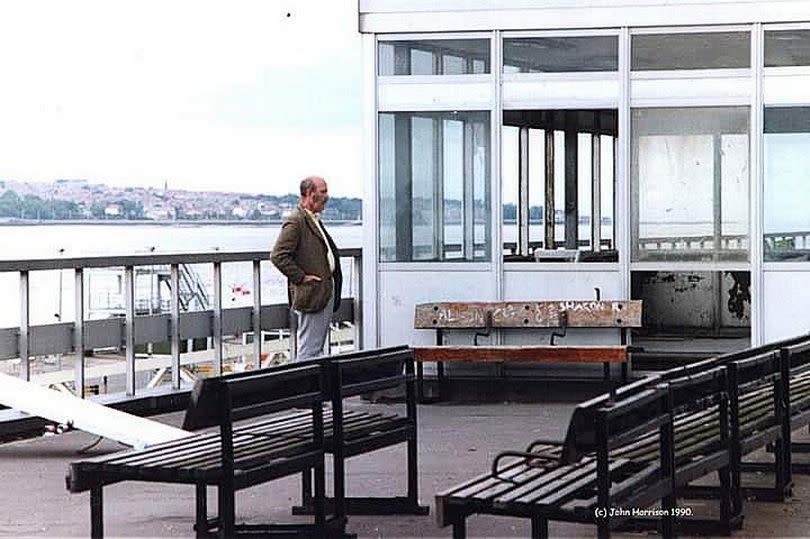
{"x": 401, "y": 291}
{"x": 684, "y": 90}
{"x": 786, "y": 318}
{"x": 561, "y": 284}
{"x": 437, "y": 93}
{"x": 569, "y": 92}
{"x": 380, "y": 16}
{"x": 786, "y": 86}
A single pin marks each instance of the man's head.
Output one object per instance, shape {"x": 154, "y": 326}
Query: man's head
{"x": 314, "y": 193}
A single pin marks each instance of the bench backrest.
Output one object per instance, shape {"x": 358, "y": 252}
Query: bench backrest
{"x": 252, "y": 394}
{"x": 376, "y": 370}
{"x": 580, "y": 438}
{"x": 528, "y": 314}
{"x": 698, "y": 391}
{"x": 797, "y": 356}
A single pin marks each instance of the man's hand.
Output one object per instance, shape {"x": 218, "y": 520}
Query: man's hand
{"x": 311, "y": 278}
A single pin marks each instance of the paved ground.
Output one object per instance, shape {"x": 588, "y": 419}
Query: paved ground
{"x": 456, "y": 442}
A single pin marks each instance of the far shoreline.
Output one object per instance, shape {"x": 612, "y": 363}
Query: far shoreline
{"x": 181, "y": 222}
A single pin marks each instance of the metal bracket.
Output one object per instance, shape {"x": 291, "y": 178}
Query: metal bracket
{"x": 487, "y": 327}
{"x": 563, "y": 321}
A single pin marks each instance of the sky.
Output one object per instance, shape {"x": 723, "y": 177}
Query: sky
{"x": 238, "y": 95}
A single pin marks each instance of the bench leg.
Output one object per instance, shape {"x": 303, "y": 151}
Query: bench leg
{"x": 603, "y": 528}
{"x": 724, "y": 474}
{"x": 413, "y": 472}
{"x": 201, "y": 510}
{"x": 320, "y": 498}
{"x": 96, "y": 513}
{"x": 460, "y": 528}
{"x": 539, "y": 528}
{"x": 306, "y": 488}
{"x": 227, "y": 510}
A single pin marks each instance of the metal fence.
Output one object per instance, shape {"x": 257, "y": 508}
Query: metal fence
{"x": 81, "y": 339}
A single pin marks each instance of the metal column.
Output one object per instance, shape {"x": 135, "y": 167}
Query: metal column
{"x": 25, "y": 323}
{"x": 217, "y": 321}
{"x": 257, "y": 314}
{"x": 78, "y": 334}
{"x": 550, "y": 219}
{"x": 175, "y": 325}
{"x": 523, "y": 191}
{"x": 129, "y": 337}
{"x": 571, "y": 178}
{"x": 596, "y": 189}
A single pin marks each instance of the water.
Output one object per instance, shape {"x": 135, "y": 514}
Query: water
{"x": 103, "y": 287}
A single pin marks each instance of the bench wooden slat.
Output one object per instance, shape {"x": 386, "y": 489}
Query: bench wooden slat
{"x": 532, "y": 314}
{"x": 555, "y": 479}
{"x": 529, "y": 354}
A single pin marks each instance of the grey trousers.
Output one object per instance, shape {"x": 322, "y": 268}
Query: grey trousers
{"x": 312, "y": 331}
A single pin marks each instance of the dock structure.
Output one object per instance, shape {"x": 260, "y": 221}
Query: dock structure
{"x": 557, "y": 151}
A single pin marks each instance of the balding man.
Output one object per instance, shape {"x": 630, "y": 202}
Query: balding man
{"x": 305, "y": 253}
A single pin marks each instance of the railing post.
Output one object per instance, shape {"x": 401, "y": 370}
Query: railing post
{"x": 358, "y": 301}
{"x": 175, "y": 325}
{"x": 217, "y": 321}
{"x": 257, "y": 314}
{"x": 78, "y": 334}
{"x": 129, "y": 333}
{"x": 25, "y": 322}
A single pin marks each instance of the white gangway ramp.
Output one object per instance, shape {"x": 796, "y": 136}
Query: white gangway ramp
{"x": 85, "y": 415}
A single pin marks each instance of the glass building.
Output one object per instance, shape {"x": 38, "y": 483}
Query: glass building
{"x": 543, "y": 150}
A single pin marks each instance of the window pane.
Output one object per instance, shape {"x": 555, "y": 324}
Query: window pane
{"x": 787, "y": 183}
{"x": 433, "y": 57}
{"x": 715, "y": 50}
{"x": 562, "y": 181}
{"x": 434, "y": 186}
{"x": 690, "y": 179}
{"x": 787, "y": 48}
{"x": 561, "y": 54}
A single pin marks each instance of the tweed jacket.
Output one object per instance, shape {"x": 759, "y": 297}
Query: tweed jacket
{"x": 299, "y": 250}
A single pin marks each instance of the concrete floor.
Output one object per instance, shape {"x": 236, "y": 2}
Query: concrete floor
{"x": 456, "y": 442}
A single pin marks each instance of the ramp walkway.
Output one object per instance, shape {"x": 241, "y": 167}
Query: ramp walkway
{"x": 85, "y": 415}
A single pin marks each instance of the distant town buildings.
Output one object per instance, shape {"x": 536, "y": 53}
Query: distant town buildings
{"x": 80, "y": 199}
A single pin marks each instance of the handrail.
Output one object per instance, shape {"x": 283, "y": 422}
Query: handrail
{"x": 147, "y": 259}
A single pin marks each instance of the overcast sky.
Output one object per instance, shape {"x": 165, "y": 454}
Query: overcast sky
{"x": 207, "y": 95}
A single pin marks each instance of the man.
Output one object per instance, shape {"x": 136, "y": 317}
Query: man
{"x": 305, "y": 253}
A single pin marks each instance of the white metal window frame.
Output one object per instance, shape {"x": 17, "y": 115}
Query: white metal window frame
{"x": 690, "y": 87}
{"x": 524, "y": 90}
{"x": 421, "y": 93}
{"x": 445, "y": 89}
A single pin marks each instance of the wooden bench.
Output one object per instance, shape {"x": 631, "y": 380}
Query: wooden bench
{"x": 234, "y": 457}
{"x": 561, "y": 315}
{"x": 626, "y": 453}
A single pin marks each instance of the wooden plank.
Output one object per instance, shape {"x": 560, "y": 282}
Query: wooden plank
{"x": 532, "y": 354}
{"x": 530, "y": 314}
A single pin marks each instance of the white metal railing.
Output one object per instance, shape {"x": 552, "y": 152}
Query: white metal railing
{"x": 75, "y": 338}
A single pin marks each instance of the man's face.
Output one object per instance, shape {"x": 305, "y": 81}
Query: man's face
{"x": 318, "y": 196}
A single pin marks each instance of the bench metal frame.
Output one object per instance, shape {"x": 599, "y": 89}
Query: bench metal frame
{"x": 215, "y": 458}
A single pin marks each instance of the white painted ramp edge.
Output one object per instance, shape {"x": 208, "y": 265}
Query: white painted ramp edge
{"x": 85, "y": 415}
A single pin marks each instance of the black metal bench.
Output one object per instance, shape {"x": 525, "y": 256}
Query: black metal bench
{"x": 617, "y": 454}
{"x": 541, "y": 487}
{"x": 359, "y": 432}
{"x": 234, "y": 457}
